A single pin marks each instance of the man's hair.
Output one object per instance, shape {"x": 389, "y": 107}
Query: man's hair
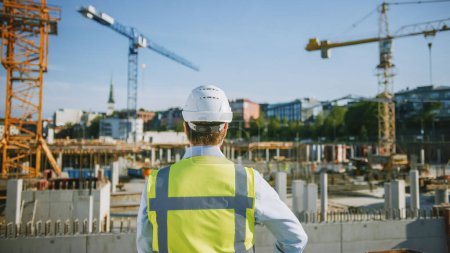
{"x": 202, "y": 138}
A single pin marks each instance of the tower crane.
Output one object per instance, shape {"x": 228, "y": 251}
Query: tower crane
{"x": 136, "y": 40}
{"x": 25, "y": 28}
{"x": 385, "y": 68}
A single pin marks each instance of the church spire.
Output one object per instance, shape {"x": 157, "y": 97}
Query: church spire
{"x": 111, "y": 95}
{"x": 110, "y": 104}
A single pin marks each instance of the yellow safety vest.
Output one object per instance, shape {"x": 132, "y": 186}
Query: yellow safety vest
{"x": 202, "y": 204}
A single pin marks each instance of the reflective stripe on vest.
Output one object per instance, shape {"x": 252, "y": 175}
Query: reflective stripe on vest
{"x": 162, "y": 203}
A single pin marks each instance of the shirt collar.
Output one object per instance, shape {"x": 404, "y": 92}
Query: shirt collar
{"x": 203, "y": 151}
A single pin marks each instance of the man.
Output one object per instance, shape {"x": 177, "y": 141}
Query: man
{"x": 205, "y": 203}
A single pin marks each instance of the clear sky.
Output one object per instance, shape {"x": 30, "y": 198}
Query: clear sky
{"x": 252, "y": 49}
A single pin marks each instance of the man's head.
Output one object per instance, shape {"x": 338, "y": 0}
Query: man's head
{"x": 206, "y": 114}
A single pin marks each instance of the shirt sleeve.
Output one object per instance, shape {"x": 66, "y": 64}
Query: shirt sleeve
{"x": 278, "y": 218}
{"x": 144, "y": 228}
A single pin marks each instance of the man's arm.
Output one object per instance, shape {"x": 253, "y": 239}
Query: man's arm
{"x": 278, "y": 218}
{"x": 144, "y": 228}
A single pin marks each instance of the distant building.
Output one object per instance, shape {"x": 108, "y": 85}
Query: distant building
{"x": 110, "y": 105}
{"x": 146, "y": 116}
{"x": 121, "y": 129}
{"x": 67, "y": 116}
{"x": 88, "y": 117}
{"x": 13, "y": 130}
{"x": 171, "y": 118}
{"x": 245, "y": 110}
{"x": 298, "y": 110}
{"x": 165, "y": 137}
{"x": 410, "y": 102}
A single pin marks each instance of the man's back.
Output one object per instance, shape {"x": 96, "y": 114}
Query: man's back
{"x": 202, "y": 204}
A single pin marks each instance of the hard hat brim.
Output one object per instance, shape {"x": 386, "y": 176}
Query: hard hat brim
{"x": 189, "y": 116}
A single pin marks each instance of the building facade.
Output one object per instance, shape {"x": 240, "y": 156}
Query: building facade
{"x": 410, "y": 102}
{"x": 121, "y": 129}
{"x": 302, "y": 110}
{"x": 65, "y": 116}
{"x": 245, "y": 110}
{"x": 171, "y": 118}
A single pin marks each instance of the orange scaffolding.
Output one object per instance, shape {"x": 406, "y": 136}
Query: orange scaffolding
{"x": 25, "y": 26}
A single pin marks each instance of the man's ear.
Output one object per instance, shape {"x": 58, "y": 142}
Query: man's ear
{"x": 225, "y": 127}
{"x": 185, "y": 127}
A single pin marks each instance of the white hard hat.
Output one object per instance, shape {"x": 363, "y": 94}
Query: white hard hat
{"x": 207, "y": 103}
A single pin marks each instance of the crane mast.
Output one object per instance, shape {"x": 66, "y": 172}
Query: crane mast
{"x": 385, "y": 74}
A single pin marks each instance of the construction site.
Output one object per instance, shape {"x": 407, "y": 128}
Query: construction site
{"x": 381, "y": 193}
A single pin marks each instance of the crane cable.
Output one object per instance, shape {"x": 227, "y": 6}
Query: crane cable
{"x": 417, "y": 2}
{"x": 430, "y": 45}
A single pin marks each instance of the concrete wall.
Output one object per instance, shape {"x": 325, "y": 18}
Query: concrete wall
{"x": 427, "y": 235}
{"x": 66, "y": 204}
{"x": 420, "y": 235}
{"x": 95, "y": 243}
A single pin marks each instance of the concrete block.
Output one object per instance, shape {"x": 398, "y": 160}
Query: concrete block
{"x": 60, "y": 210}
{"x": 13, "y": 200}
{"x": 398, "y": 200}
{"x": 28, "y": 196}
{"x": 43, "y": 196}
{"x": 387, "y": 196}
{"x": 323, "y": 195}
{"x": 280, "y": 185}
{"x": 440, "y": 196}
{"x": 298, "y": 196}
{"x": 114, "y": 243}
{"x": 44, "y": 244}
{"x": 114, "y": 176}
{"x": 311, "y": 197}
{"x": 414, "y": 189}
{"x": 96, "y": 170}
{"x": 83, "y": 209}
{"x": 61, "y": 195}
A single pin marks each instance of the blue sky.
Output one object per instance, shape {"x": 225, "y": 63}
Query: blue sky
{"x": 252, "y": 49}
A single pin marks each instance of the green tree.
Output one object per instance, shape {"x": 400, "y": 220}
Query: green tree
{"x": 334, "y": 124}
{"x": 361, "y": 120}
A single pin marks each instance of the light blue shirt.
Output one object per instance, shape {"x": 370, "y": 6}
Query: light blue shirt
{"x": 269, "y": 210}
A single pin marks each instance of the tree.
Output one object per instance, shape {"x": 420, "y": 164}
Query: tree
{"x": 361, "y": 120}
{"x": 334, "y": 124}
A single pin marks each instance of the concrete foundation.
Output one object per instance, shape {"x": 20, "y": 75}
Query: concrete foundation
{"x": 424, "y": 235}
